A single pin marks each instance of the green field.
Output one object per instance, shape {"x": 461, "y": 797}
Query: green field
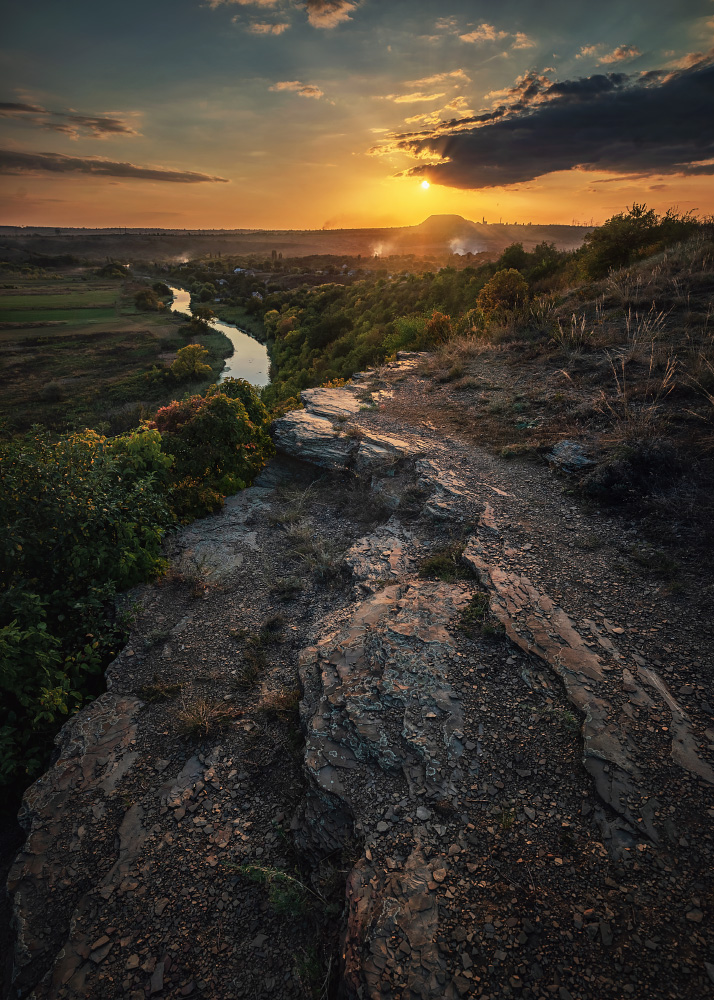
{"x": 39, "y": 303}
{"x": 83, "y": 314}
{"x": 97, "y": 363}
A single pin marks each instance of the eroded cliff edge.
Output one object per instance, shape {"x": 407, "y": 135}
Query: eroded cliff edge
{"x": 501, "y": 782}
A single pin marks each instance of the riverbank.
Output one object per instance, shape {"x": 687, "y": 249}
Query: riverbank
{"x": 249, "y": 358}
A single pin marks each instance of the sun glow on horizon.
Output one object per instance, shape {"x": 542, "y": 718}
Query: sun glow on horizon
{"x": 425, "y": 185}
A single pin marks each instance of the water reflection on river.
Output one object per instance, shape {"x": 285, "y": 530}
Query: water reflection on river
{"x": 249, "y": 359}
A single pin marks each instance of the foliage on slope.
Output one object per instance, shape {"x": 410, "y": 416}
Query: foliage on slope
{"x": 85, "y": 516}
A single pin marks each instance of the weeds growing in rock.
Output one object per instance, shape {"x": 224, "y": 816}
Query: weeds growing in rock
{"x": 288, "y": 896}
{"x": 201, "y": 717}
{"x": 159, "y": 690}
{"x": 287, "y": 587}
{"x": 477, "y": 616}
{"x": 446, "y": 564}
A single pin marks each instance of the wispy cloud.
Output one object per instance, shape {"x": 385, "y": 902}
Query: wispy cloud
{"x": 484, "y": 33}
{"x": 329, "y": 13}
{"x": 263, "y": 28}
{"x": 69, "y": 122}
{"x": 489, "y": 33}
{"x": 15, "y": 162}
{"x": 588, "y": 52}
{"x": 620, "y": 54}
{"x": 303, "y": 89}
{"x": 459, "y": 105}
{"x": 522, "y": 41}
{"x": 411, "y": 98}
{"x": 320, "y": 13}
{"x": 243, "y": 3}
{"x": 454, "y": 74}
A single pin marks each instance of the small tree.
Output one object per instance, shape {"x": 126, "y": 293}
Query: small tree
{"x": 505, "y": 290}
{"x": 437, "y": 330}
{"x": 147, "y": 300}
{"x": 189, "y": 363}
{"x": 201, "y": 316}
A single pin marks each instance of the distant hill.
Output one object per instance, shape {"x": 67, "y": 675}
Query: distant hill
{"x": 438, "y": 234}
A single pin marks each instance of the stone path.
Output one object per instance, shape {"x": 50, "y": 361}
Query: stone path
{"x": 501, "y": 784}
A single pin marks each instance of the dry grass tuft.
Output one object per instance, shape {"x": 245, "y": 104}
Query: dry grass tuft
{"x": 201, "y": 717}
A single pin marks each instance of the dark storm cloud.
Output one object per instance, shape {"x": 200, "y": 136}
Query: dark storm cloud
{"x": 656, "y": 123}
{"x": 13, "y": 162}
{"x": 72, "y": 124}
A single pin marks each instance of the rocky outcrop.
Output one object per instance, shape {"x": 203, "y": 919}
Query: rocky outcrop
{"x": 321, "y": 433}
{"x": 482, "y": 755}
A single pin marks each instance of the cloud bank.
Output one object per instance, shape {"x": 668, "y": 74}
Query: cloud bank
{"x": 68, "y": 122}
{"x": 14, "y": 162}
{"x": 650, "y": 123}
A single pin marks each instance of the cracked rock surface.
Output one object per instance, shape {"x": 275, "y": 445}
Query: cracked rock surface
{"x": 500, "y": 782}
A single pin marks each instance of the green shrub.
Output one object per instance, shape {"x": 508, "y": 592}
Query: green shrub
{"x": 218, "y": 442}
{"x": 84, "y": 518}
{"x": 505, "y": 290}
{"x": 631, "y": 236}
{"x": 147, "y": 300}
{"x": 190, "y": 364}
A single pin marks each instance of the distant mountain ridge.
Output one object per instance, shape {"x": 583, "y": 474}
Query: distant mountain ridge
{"x": 438, "y": 234}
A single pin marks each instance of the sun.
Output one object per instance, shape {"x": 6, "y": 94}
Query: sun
{"x": 425, "y": 185}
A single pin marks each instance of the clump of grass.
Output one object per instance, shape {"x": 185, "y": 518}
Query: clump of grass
{"x": 447, "y": 565}
{"x": 281, "y": 705}
{"x": 272, "y": 629}
{"x": 506, "y": 819}
{"x": 315, "y": 554}
{"x": 519, "y": 450}
{"x": 288, "y": 896}
{"x": 156, "y": 636}
{"x": 565, "y": 718}
{"x": 192, "y": 575}
{"x": 159, "y": 691}
{"x": 589, "y": 543}
{"x": 455, "y": 371}
{"x": 654, "y": 560}
{"x": 477, "y": 617}
{"x": 287, "y": 587}
{"x": 314, "y": 974}
{"x": 201, "y": 717}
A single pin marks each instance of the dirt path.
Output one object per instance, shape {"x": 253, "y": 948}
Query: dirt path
{"x": 515, "y": 789}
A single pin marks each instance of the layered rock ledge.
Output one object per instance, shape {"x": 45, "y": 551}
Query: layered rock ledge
{"x": 508, "y": 770}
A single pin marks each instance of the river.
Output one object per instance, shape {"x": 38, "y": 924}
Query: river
{"x": 249, "y": 359}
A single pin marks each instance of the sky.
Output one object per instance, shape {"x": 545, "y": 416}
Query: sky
{"x": 310, "y": 114}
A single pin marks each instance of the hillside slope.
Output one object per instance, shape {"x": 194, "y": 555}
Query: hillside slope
{"x": 501, "y": 779}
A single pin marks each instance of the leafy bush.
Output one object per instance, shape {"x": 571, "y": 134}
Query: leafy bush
{"x": 84, "y": 518}
{"x": 631, "y": 236}
{"x": 505, "y": 290}
{"x": 636, "y": 470}
{"x": 190, "y": 364}
{"x": 219, "y": 442}
{"x": 147, "y": 300}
